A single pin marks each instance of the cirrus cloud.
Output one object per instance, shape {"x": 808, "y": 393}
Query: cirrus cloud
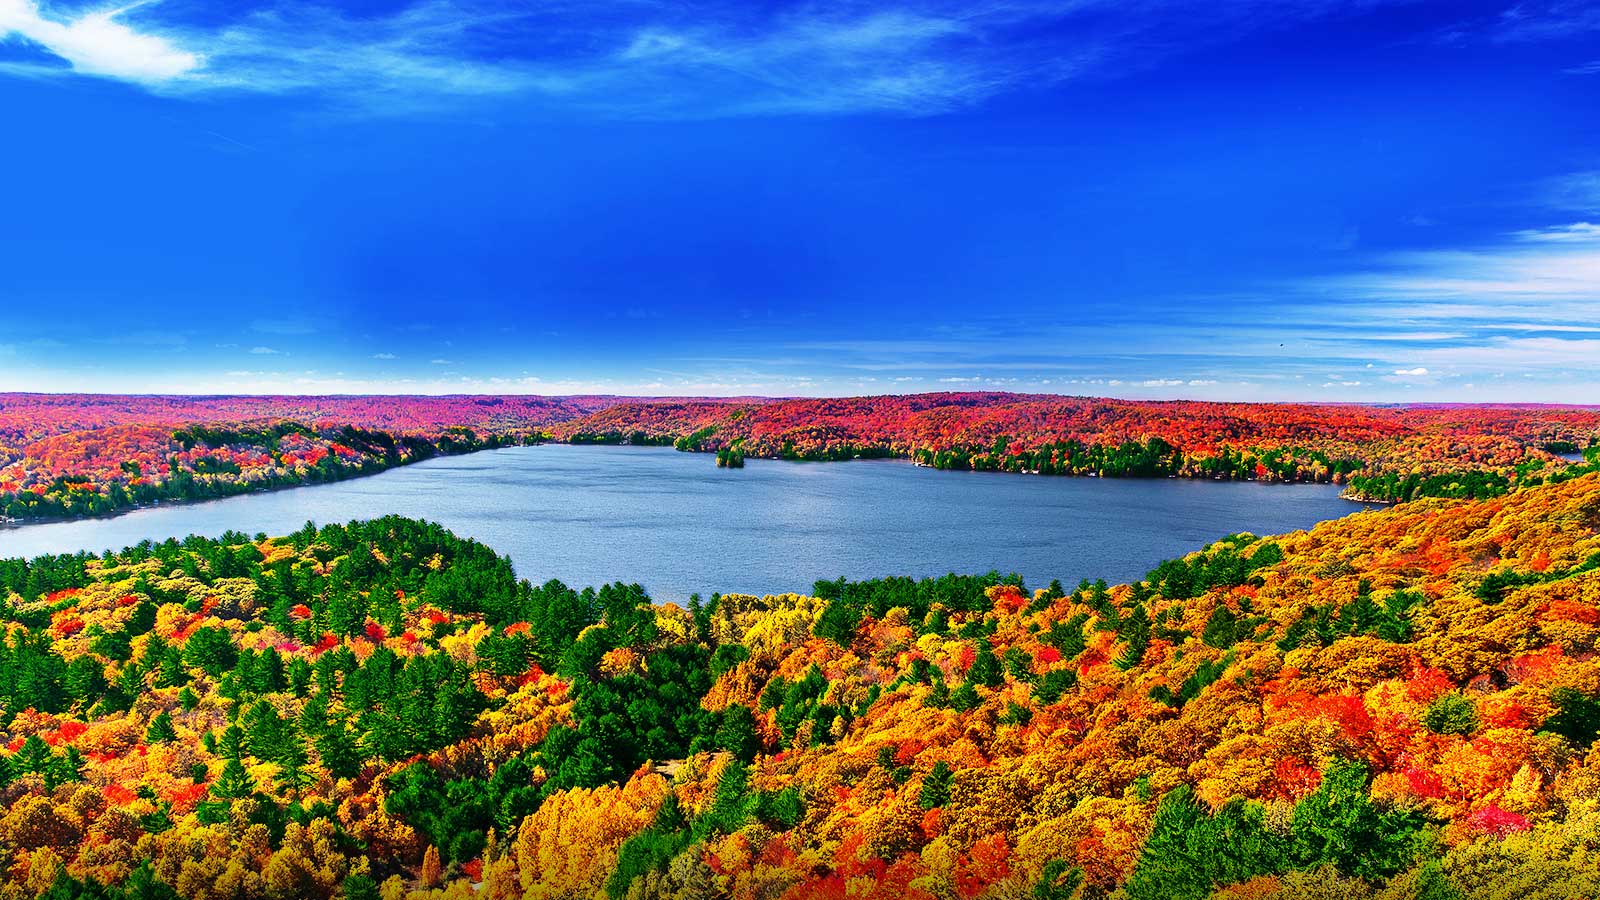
{"x": 633, "y": 59}
{"x": 100, "y": 43}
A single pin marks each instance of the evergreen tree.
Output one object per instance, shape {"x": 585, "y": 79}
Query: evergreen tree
{"x": 1168, "y": 868}
{"x": 1339, "y": 824}
{"x": 359, "y": 887}
{"x": 69, "y": 766}
{"x": 161, "y": 730}
{"x": 210, "y": 650}
{"x": 838, "y": 623}
{"x": 234, "y": 783}
{"x": 143, "y": 618}
{"x": 985, "y": 668}
{"x": 1135, "y": 630}
{"x": 781, "y": 809}
{"x": 34, "y": 757}
{"x": 736, "y": 733}
{"x": 1222, "y": 628}
{"x": 340, "y": 754}
{"x": 293, "y": 774}
{"x": 935, "y": 790}
{"x": 1577, "y": 717}
{"x": 142, "y": 884}
{"x": 1361, "y": 615}
{"x": 85, "y": 680}
{"x": 1058, "y": 881}
{"x": 169, "y": 669}
{"x": 965, "y": 697}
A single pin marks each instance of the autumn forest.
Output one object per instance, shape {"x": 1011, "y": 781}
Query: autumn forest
{"x": 1403, "y": 703}
{"x": 794, "y": 450}
{"x": 69, "y": 456}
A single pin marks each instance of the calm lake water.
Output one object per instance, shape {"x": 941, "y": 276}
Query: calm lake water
{"x": 677, "y": 524}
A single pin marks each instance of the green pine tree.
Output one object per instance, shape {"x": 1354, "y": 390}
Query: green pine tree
{"x": 234, "y": 783}
{"x": 936, "y": 786}
{"x": 1168, "y": 868}
{"x": 161, "y": 730}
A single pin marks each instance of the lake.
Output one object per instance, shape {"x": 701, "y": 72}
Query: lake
{"x": 677, "y": 524}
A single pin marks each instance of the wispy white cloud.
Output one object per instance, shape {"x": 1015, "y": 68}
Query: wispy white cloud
{"x": 1577, "y": 192}
{"x": 1577, "y": 232}
{"x": 901, "y": 61}
{"x": 100, "y": 43}
{"x": 1543, "y": 20}
{"x": 1547, "y": 274}
{"x": 637, "y": 58}
{"x": 1528, "y": 304}
{"x": 431, "y": 49}
{"x": 1534, "y": 357}
{"x": 1418, "y": 325}
{"x": 383, "y": 356}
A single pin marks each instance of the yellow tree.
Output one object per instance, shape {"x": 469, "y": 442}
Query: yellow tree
{"x": 432, "y": 872}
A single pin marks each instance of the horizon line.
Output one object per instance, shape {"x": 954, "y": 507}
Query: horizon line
{"x": 737, "y": 398}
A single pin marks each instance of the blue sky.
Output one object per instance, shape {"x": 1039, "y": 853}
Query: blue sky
{"x": 1230, "y": 199}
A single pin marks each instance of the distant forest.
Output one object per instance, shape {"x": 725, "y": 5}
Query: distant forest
{"x": 65, "y": 456}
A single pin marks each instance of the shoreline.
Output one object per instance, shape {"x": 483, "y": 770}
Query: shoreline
{"x": 7, "y": 526}
{"x": 14, "y": 524}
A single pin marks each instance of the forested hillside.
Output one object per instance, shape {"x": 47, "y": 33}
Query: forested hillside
{"x": 72, "y": 455}
{"x": 106, "y": 470}
{"x": 25, "y": 418}
{"x": 1397, "y": 704}
{"x": 78, "y": 455}
{"x": 1384, "y": 453}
